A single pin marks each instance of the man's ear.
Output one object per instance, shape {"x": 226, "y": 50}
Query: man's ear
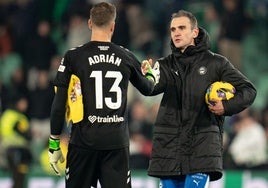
{"x": 89, "y": 23}
{"x": 196, "y": 32}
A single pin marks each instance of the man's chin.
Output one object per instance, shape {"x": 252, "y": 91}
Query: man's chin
{"x": 178, "y": 46}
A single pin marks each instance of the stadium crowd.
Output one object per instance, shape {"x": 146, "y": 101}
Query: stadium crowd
{"x": 34, "y": 34}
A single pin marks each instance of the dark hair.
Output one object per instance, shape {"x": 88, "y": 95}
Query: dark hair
{"x": 184, "y": 13}
{"x": 102, "y": 13}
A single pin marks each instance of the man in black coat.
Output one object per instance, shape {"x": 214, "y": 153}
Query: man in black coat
{"x": 188, "y": 133}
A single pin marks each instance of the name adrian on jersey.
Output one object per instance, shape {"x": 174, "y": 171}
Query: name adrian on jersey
{"x": 104, "y": 58}
{"x": 107, "y": 119}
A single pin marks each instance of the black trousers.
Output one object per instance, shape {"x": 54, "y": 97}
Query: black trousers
{"x": 86, "y": 167}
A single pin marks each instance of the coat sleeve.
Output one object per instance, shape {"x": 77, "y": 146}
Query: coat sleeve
{"x": 245, "y": 90}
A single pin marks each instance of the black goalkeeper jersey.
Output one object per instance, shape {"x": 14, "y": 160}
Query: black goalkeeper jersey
{"x": 104, "y": 70}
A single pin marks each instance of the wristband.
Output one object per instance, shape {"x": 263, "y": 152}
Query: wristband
{"x": 54, "y": 144}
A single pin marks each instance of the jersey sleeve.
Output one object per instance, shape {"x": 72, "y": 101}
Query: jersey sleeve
{"x": 138, "y": 80}
{"x": 58, "y": 108}
{"x": 64, "y": 72}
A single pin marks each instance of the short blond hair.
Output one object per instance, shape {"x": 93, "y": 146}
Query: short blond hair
{"x": 102, "y": 14}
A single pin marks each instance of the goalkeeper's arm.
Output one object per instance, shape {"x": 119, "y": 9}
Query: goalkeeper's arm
{"x": 56, "y": 125}
{"x": 57, "y": 116}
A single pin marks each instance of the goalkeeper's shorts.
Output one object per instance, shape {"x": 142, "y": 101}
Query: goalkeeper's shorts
{"x": 197, "y": 180}
{"x": 85, "y": 168}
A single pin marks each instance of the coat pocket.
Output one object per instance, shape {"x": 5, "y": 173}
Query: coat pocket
{"x": 207, "y": 142}
{"x": 164, "y": 142}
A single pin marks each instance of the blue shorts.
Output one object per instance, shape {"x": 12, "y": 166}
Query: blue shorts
{"x": 197, "y": 180}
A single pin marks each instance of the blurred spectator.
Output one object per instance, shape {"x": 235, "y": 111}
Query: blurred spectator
{"x": 78, "y": 7}
{"x": 78, "y": 32}
{"x": 38, "y": 52}
{"x": 248, "y": 148}
{"x": 8, "y": 65}
{"x": 22, "y": 18}
{"x": 43, "y": 6}
{"x": 5, "y": 38}
{"x": 61, "y": 17}
{"x": 141, "y": 31}
{"x": 40, "y": 48}
{"x": 16, "y": 86}
{"x": 121, "y": 34}
{"x": 40, "y": 101}
{"x": 258, "y": 8}
{"x": 234, "y": 23}
{"x": 159, "y": 15}
{"x": 140, "y": 135}
{"x": 15, "y": 136}
{"x": 73, "y": 22}
{"x": 212, "y": 24}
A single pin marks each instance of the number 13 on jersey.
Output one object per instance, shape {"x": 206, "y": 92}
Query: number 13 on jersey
{"x": 99, "y": 80}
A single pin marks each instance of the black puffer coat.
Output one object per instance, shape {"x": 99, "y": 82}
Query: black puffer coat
{"x": 188, "y": 138}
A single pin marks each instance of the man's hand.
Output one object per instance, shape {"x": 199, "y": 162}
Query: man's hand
{"x": 151, "y": 73}
{"x": 55, "y": 154}
{"x": 216, "y": 107}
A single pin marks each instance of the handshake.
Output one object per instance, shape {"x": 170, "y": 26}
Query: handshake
{"x": 151, "y": 73}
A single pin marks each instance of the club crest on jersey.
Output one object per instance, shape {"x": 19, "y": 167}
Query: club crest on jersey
{"x": 202, "y": 70}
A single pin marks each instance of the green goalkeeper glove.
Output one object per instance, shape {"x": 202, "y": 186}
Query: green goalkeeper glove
{"x": 55, "y": 154}
{"x": 151, "y": 73}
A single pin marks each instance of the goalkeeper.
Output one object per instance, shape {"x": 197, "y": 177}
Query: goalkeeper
{"x": 93, "y": 80}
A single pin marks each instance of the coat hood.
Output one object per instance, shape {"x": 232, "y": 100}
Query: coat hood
{"x": 202, "y": 43}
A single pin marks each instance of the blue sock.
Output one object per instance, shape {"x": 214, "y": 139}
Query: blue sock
{"x": 171, "y": 183}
